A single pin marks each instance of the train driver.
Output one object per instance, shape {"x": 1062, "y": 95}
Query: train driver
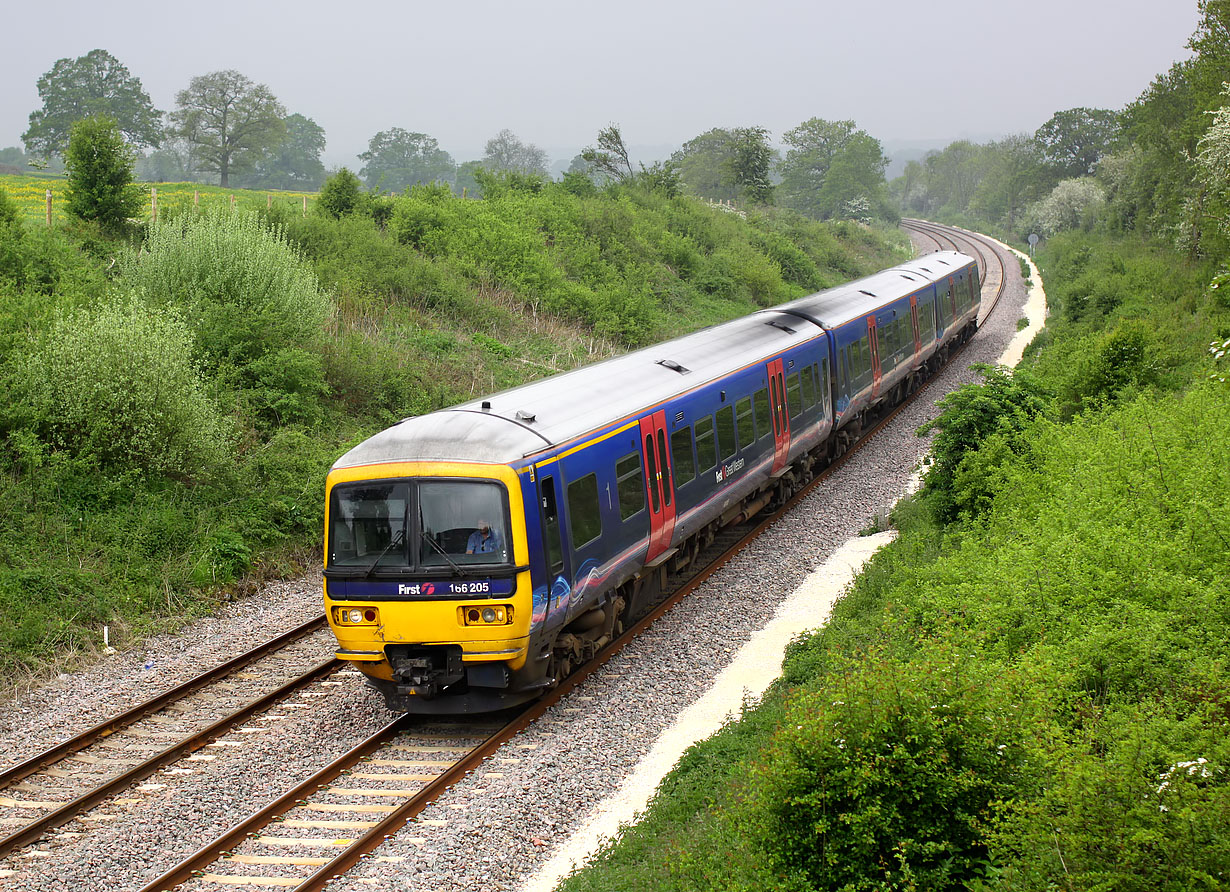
{"x": 484, "y": 540}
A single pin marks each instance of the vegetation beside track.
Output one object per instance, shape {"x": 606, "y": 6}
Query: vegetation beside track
{"x": 1026, "y": 690}
{"x": 173, "y": 399}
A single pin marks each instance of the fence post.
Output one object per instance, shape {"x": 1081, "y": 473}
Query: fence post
{"x": 48, "y": 207}
{"x": 196, "y": 198}
{"x": 305, "y": 205}
{"x": 232, "y": 201}
{"x": 463, "y": 192}
{"x": 153, "y": 202}
{"x": 268, "y": 201}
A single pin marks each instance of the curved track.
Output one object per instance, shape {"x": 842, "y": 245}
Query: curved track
{"x": 328, "y": 826}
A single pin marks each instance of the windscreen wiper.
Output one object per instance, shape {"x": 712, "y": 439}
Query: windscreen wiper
{"x": 399, "y": 538}
{"x": 444, "y": 554}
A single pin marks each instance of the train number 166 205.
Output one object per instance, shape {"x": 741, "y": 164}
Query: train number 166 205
{"x": 469, "y": 588}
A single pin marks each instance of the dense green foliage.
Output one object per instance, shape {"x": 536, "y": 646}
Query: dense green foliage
{"x": 100, "y": 188}
{"x": 173, "y": 405}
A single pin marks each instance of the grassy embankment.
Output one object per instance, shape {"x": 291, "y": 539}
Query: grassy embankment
{"x": 1026, "y": 690}
{"x": 173, "y": 403}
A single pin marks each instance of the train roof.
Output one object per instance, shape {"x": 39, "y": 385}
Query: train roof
{"x": 515, "y": 423}
{"x": 837, "y": 306}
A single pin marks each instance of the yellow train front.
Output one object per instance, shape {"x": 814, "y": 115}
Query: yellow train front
{"x": 427, "y": 570}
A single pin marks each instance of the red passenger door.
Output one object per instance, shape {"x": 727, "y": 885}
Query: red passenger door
{"x": 659, "y": 483}
{"x": 874, "y": 341}
{"x": 779, "y": 414}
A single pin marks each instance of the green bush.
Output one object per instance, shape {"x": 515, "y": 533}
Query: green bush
{"x": 117, "y": 385}
{"x": 243, "y": 289}
{"x": 1003, "y": 405}
{"x": 340, "y": 195}
{"x": 99, "y": 163}
{"x": 886, "y": 774}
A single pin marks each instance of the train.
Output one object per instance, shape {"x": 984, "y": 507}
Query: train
{"x": 476, "y": 555}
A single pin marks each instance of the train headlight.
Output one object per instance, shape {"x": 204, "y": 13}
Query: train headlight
{"x": 500, "y": 615}
{"x": 356, "y": 616}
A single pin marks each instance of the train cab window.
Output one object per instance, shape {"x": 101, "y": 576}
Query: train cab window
{"x": 681, "y": 456}
{"x": 793, "y": 398}
{"x": 706, "y": 448}
{"x": 764, "y": 425}
{"x": 367, "y": 525}
{"x": 743, "y": 419}
{"x": 629, "y": 485}
{"x": 809, "y": 387}
{"x": 584, "y": 512}
{"x": 726, "y": 432}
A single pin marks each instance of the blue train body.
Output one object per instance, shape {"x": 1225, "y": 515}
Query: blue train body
{"x": 602, "y": 480}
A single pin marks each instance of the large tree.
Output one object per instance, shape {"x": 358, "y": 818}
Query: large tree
{"x": 230, "y": 121}
{"x": 93, "y": 84}
{"x": 1073, "y": 141}
{"x": 397, "y": 158}
{"x": 812, "y": 147}
{"x": 294, "y": 163}
{"x": 505, "y": 152}
{"x": 751, "y": 164}
{"x": 704, "y": 165}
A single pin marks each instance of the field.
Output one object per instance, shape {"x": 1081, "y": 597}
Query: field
{"x": 30, "y": 193}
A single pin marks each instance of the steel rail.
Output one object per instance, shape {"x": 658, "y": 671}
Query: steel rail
{"x": 106, "y": 728}
{"x": 65, "y": 813}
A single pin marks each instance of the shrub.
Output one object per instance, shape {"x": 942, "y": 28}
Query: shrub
{"x": 340, "y": 195}
{"x": 117, "y": 384}
{"x": 1003, "y": 404}
{"x": 243, "y": 289}
{"x": 885, "y": 775}
{"x": 99, "y": 164}
{"x": 1110, "y": 364}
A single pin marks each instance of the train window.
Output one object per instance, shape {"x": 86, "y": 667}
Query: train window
{"x": 550, "y": 517}
{"x": 726, "y": 432}
{"x": 666, "y": 468}
{"x": 681, "y": 456}
{"x": 743, "y": 416}
{"x": 825, "y": 389}
{"x": 706, "y": 449}
{"x": 584, "y": 512}
{"x": 809, "y": 387}
{"x": 793, "y": 398}
{"x": 629, "y": 485}
{"x": 763, "y": 425}
{"x": 926, "y": 321}
{"x": 651, "y": 465}
{"x": 367, "y": 525}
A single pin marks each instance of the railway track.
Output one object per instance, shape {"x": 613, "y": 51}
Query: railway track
{"x": 63, "y": 781}
{"x": 325, "y": 825}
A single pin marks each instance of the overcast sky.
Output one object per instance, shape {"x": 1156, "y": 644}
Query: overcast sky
{"x": 665, "y": 70}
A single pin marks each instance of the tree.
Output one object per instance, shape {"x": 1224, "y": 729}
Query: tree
{"x": 295, "y": 162}
{"x": 855, "y": 179}
{"x": 751, "y": 162}
{"x": 1012, "y": 178}
{"x": 610, "y": 158}
{"x": 93, "y": 84}
{"x": 170, "y": 162}
{"x": 1073, "y": 141}
{"x": 704, "y": 165}
{"x": 229, "y": 121}
{"x": 1071, "y": 204}
{"x": 397, "y": 158}
{"x": 505, "y": 152}
{"x": 813, "y": 144}
{"x": 99, "y": 165}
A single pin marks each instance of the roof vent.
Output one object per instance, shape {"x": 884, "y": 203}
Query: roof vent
{"x": 486, "y": 405}
{"x": 904, "y": 276}
{"x": 777, "y": 323}
{"x": 673, "y": 366}
{"x": 866, "y": 292}
{"x": 945, "y": 262}
{"x": 526, "y": 417}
